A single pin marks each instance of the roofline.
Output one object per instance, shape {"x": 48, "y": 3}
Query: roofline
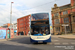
{"x": 64, "y": 5}
{"x": 24, "y": 16}
{"x": 29, "y": 15}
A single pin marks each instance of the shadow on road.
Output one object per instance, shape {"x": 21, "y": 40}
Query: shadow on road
{"x": 15, "y": 47}
{"x": 39, "y": 43}
{"x": 23, "y": 40}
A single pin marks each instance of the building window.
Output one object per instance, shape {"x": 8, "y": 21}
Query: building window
{"x": 56, "y": 21}
{"x": 74, "y": 3}
{"x": 57, "y": 28}
{"x": 67, "y": 28}
{"x": 25, "y": 32}
{"x": 21, "y": 28}
{"x": 66, "y": 20}
{"x": 21, "y": 24}
{"x": 21, "y": 20}
{"x": 25, "y": 23}
{"x": 25, "y": 18}
{"x": 73, "y": 18}
{"x": 56, "y": 14}
{"x": 65, "y": 12}
{"x": 25, "y": 27}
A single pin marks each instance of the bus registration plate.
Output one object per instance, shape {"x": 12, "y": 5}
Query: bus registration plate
{"x": 40, "y": 41}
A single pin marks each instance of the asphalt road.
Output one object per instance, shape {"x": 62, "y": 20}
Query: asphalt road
{"x": 23, "y": 43}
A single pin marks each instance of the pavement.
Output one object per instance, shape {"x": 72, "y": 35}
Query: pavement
{"x": 64, "y": 36}
{"x": 15, "y": 37}
{"x": 3, "y": 40}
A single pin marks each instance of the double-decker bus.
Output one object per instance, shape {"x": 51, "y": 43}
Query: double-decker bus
{"x": 40, "y": 28}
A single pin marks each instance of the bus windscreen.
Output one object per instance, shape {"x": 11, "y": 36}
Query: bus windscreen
{"x": 40, "y": 24}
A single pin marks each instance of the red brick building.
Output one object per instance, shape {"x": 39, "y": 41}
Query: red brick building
{"x": 63, "y": 15}
{"x": 23, "y": 25}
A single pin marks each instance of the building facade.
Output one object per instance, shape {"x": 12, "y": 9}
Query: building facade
{"x": 63, "y": 18}
{"x": 23, "y": 25}
{"x": 14, "y": 26}
{"x": 6, "y": 25}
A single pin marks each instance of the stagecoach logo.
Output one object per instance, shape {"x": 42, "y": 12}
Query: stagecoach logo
{"x": 39, "y": 37}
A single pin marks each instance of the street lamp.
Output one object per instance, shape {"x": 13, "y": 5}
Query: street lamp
{"x": 11, "y": 18}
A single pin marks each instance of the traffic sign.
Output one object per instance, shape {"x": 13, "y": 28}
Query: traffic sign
{"x": 65, "y": 25}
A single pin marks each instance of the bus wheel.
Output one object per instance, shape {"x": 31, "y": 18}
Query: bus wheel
{"x": 34, "y": 43}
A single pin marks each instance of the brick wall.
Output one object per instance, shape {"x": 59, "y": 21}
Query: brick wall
{"x": 72, "y": 2}
{"x": 23, "y": 24}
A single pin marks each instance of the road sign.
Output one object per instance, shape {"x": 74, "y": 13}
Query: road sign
{"x": 65, "y": 25}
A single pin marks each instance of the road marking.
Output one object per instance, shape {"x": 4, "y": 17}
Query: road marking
{"x": 73, "y": 43}
{"x": 65, "y": 43}
{"x": 56, "y": 43}
{"x": 49, "y": 43}
{"x": 55, "y": 40}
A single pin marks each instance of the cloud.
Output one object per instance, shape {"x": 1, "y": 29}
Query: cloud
{"x": 21, "y": 8}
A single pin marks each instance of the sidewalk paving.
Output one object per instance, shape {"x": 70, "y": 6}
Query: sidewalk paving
{"x": 64, "y": 36}
{"x": 3, "y": 40}
{"x": 20, "y": 36}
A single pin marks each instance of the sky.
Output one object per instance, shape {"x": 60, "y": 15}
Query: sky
{"x": 22, "y": 8}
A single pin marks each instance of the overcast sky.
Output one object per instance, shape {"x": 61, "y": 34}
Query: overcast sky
{"x": 21, "y": 8}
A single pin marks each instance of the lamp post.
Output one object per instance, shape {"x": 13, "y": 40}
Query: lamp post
{"x": 11, "y": 18}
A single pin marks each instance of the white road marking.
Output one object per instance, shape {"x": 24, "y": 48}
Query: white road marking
{"x": 65, "y": 43}
{"x": 56, "y": 43}
{"x": 55, "y": 40}
{"x": 50, "y": 43}
{"x": 72, "y": 42}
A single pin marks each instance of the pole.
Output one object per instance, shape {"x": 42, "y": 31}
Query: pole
{"x": 10, "y": 19}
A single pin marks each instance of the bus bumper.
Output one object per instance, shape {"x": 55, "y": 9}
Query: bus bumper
{"x": 48, "y": 40}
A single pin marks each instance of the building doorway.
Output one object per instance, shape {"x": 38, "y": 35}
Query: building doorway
{"x": 20, "y": 33}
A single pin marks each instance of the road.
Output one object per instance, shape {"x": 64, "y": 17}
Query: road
{"x": 23, "y": 43}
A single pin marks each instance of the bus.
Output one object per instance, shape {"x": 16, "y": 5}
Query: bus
{"x": 40, "y": 28}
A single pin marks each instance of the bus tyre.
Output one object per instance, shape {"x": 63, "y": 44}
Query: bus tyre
{"x": 45, "y": 42}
